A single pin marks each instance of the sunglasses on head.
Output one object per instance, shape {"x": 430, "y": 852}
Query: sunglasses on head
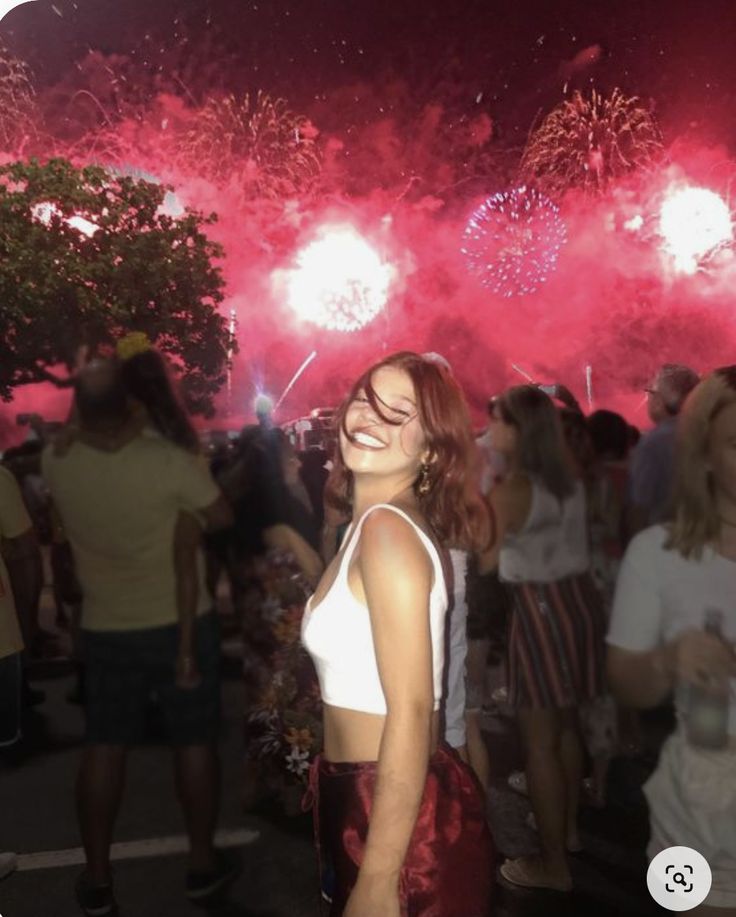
{"x": 499, "y": 411}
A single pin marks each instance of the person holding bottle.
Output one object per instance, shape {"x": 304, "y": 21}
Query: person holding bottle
{"x": 673, "y": 629}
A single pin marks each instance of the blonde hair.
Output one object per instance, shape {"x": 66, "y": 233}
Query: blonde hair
{"x": 542, "y": 450}
{"x": 696, "y": 522}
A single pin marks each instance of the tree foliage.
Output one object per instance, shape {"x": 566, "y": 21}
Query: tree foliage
{"x": 138, "y": 270}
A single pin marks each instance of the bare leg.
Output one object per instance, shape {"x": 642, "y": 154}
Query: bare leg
{"x": 477, "y": 753}
{"x": 599, "y": 773}
{"x": 571, "y": 756}
{"x": 197, "y": 772}
{"x": 547, "y": 782}
{"x": 476, "y": 666}
{"x": 462, "y": 751}
{"x": 100, "y": 782}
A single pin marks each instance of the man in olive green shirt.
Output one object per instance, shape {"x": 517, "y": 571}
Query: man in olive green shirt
{"x": 118, "y": 492}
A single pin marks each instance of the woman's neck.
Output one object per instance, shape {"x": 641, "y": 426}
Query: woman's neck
{"x": 513, "y": 466}
{"x": 725, "y": 507}
{"x": 368, "y": 492}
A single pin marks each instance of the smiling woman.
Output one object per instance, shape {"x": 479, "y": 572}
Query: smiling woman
{"x": 375, "y": 629}
{"x": 404, "y": 396}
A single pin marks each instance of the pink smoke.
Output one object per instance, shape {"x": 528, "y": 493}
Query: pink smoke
{"x": 614, "y": 302}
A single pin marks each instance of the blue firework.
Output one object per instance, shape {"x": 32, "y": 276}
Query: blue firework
{"x": 512, "y": 241}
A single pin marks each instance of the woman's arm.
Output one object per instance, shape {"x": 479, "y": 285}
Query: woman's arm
{"x": 645, "y": 679}
{"x": 639, "y": 680}
{"x": 22, "y": 556}
{"x": 643, "y": 667}
{"x": 511, "y": 501}
{"x": 329, "y": 545}
{"x": 283, "y": 537}
{"x": 396, "y": 573}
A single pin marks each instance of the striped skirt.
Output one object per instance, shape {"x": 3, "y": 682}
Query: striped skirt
{"x": 556, "y": 649}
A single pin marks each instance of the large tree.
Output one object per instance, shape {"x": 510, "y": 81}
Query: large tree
{"x": 128, "y": 267}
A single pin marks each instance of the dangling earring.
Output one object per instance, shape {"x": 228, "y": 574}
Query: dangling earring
{"x": 425, "y": 484}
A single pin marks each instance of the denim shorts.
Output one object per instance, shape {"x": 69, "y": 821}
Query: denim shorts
{"x": 127, "y": 671}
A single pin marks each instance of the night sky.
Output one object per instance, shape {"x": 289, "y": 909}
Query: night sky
{"x": 679, "y": 53}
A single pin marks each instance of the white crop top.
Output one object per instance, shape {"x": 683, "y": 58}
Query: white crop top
{"x": 338, "y": 636}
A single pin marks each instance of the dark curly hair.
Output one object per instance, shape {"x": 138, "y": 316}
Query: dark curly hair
{"x": 147, "y": 379}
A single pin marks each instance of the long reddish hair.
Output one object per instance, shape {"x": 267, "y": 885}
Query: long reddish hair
{"x": 452, "y": 504}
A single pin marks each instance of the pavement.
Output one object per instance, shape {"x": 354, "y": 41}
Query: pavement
{"x": 279, "y": 871}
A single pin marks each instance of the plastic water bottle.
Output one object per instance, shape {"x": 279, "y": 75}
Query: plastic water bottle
{"x": 708, "y": 708}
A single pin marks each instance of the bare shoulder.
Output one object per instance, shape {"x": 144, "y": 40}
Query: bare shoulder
{"x": 390, "y": 538}
{"x": 395, "y": 568}
{"x": 511, "y": 501}
{"x": 383, "y": 522}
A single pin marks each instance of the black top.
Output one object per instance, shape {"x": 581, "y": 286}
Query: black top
{"x": 267, "y": 501}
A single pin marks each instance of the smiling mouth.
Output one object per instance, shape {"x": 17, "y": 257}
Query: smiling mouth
{"x": 366, "y": 439}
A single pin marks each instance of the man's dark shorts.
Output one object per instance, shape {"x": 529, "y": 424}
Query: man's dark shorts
{"x": 127, "y": 670}
{"x": 10, "y": 699}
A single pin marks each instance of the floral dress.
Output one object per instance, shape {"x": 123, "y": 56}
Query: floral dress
{"x": 283, "y": 718}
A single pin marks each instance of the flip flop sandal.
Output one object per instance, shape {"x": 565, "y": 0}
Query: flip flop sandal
{"x": 517, "y": 782}
{"x": 519, "y": 873}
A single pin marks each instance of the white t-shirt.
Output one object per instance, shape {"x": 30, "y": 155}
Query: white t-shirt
{"x": 660, "y": 594}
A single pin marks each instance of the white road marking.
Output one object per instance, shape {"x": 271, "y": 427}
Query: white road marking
{"x": 133, "y": 850}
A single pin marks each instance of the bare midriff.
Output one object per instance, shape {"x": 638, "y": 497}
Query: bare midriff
{"x": 350, "y": 735}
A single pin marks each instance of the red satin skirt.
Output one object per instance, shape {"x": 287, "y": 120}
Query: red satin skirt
{"x": 449, "y": 868}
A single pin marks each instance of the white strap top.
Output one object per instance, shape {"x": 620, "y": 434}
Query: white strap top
{"x": 338, "y": 636}
{"x": 553, "y": 543}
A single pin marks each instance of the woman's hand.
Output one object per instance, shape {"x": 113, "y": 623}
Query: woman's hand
{"x": 700, "y": 659}
{"x": 566, "y": 397}
{"x": 374, "y": 898}
{"x": 283, "y": 537}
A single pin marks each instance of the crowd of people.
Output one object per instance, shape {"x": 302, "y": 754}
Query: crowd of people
{"x": 372, "y": 577}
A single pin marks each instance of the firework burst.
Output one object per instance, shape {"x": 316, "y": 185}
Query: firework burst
{"x": 512, "y": 241}
{"x": 588, "y": 142}
{"x": 339, "y": 280}
{"x": 270, "y": 150}
{"x": 695, "y": 224}
{"x": 18, "y": 110}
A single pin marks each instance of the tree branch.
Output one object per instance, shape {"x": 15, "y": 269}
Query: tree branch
{"x": 44, "y": 375}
